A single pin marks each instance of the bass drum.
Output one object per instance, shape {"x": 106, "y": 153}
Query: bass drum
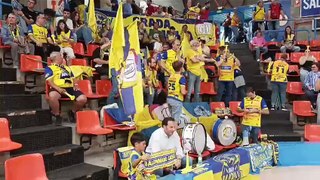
{"x": 196, "y": 136}
{"x": 224, "y": 132}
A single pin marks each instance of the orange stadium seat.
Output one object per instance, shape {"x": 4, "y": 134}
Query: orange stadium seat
{"x": 103, "y": 87}
{"x": 207, "y": 88}
{"x": 78, "y": 49}
{"x": 215, "y": 105}
{"x": 26, "y": 167}
{"x": 295, "y": 88}
{"x": 79, "y": 62}
{"x": 91, "y": 49}
{"x": 233, "y": 105}
{"x": 110, "y": 123}
{"x": 316, "y": 54}
{"x": 86, "y": 89}
{"x": 278, "y": 56}
{"x": 5, "y": 141}
{"x": 302, "y": 109}
{"x": 88, "y": 125}
{"x": 295, "y": 57}
{"x": 294, "y": 68}
{"x": 312, "y": 132}
{"x": 30, "y": 63}
{"x": 315, "y": 44}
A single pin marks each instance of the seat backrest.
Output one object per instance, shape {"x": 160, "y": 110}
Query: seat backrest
{"x": 78, "y": 48}
{"x": 215, "y": 105}
{"x": 233, "y": 105}
{"x": 87, "y": 121}
{"x": 26, "y": 167}
{"x": 278, "y": 56}
{"x": 4, "y": 130}
{"x": 295, "y": 56}
{"x": 206, "y": 86}
{"x": 311, "y": 129}
{"x": 303, "y": 42}
{"x": 294, "y": 86}
{"x": 301, "y": 106}
{"x": 293, "y": 68}
{"x": 85, "y": 86}
{"x": 79, "y": 62}
{"x": 315, "y": 43}
{"x": 92, "y": 48}
{"x": 103, "y": 87}
{"x": 316, "y": 54}
{"x": 29, "y": 63}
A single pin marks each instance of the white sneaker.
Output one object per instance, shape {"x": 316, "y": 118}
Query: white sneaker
{"x": 258, "y": 60}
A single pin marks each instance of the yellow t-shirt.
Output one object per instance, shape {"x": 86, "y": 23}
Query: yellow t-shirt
{"x": 62, "y": 75}
{"x": 152, "y": 75}
{"x": 260, "y": 14}
{"x": 226, "y": 70}
{"x": 38, "y": 32}
{"x": 174, "y": 86}
{"x": 82, "y": 11}
{"x": 194, "y": 67}
{"x": 61, "y": 38}
{"x": 279, "y": 71}
{"x": 169, "y": 57}
{"x": 253, "y": 119}
{"x": 234, "y": 21}
{"x": 134, "y": 173}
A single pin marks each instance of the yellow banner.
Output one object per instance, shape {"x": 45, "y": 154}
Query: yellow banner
{"x": 160, "y": 160}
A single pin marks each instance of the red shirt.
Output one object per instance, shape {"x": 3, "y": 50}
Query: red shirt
{"x": 151, "y": 9}
{"x": 204, "y": 14}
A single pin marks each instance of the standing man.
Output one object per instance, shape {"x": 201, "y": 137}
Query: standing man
{"x": 275, "y": 10}
{"x": 27, "y": 14}
{"x": 252, "y": 106}
{"x": 258, "y": 18}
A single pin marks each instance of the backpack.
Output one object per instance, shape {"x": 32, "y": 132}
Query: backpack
{"x": 275, "y": 11}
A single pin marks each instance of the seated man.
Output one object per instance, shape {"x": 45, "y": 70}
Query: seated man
{"x": 309, "y": 85}
{"x": 167, "y": 138}
{"x": 60, "y": 79}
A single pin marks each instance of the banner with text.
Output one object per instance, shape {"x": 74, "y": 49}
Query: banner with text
{"x": 310, "y": 8}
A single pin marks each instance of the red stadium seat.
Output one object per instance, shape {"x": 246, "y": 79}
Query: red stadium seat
{"x": 303, "y": 108}
{"x": 86, "y": 89}
{"x": 213, "y": 69}
{"x": 315, "y": 44}
{"x": 316, "y": 54}
{"x": 207, "y": 88}
{"x": 295, "y": 88}
{"x": 26, "y": 167}
{"x": 30, "y": 63}
{"x": 233, "y": 105}
{"x": 278, "y": 56}
{"x": 78, "y": 49}
{"x": 5, "y": 141}
{"x": 295, "y": 57}
{"x": 79, "y": 62}
{"x": 91, "y": 49}
{"x": 312, "y": 132}
{"x": 103, "y": 87}
{"x": 303, "y": 42}
{"x": 116, "y": 165}
{"x": 215, "y": 105}
{"x": 110, "y": 123}
{"x": 294, "y": 68}
{"x": 88, "y": 125}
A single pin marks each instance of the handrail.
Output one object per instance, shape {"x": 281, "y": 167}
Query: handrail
{"x": 297, "y": 30}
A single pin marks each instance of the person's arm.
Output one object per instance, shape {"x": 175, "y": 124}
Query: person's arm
{"x": 241, "y": 107}
{"x": 237, "y": 61}
{"x": 302, "y": 60}
{"x": 178, "y": 146}
{"x": 264, "y": 108}
{"x": 6, "y": 35}
{"x": 183, "y": 83}
{"x": 20, "y": 13}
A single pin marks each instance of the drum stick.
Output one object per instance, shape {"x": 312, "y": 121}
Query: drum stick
{"x": 72, "y": 97}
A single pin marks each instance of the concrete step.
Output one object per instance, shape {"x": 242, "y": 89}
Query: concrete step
{"x": 20, "y": 102}
{"x": 8, "y": 74}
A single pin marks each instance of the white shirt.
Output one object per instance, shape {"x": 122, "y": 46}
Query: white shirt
{"x": 69, "y": 22}
{"x": 159, "y": 141}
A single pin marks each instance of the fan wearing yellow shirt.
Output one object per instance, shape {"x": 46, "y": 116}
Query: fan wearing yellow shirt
{"x": 176, "y": 90}
{"x": 168, "y": 57}
{"x": 252, "y": 106}
{"x": 226, "y": 63}
{"x": 279, "y": 70}
{"x": 258, "y": 17}
{"x": 61, "y": 80}
{"x": 195, "y": 61}
{"x": 151, "y": 81}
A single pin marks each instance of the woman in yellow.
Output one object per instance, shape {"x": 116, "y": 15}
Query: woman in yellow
{"x": 279, "y": 80}
{"x": 252, "y": 106}
{"x": 289, "y": 41}
{"x": 195, "y": 61}
{"x": 64, "y": 38}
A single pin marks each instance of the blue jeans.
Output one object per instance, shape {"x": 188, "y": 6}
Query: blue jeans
{"x": 238, "y": 93}
{"x": 225, "y": 87}
{"x": 273, "y": 25}
{"x": 260, "y": 50}
{"x": 283, "y": 49}
{"x": 250, "y": 131}
{"x": 235, "y": 33}
{"x": 150, "y": 97}
{"x": 115, "y": 89}
{"x": 193, "y": 84}
{"x": 85, "y": 34}
{"x": 278, "y": 90}
{"x": 176, "y": 108}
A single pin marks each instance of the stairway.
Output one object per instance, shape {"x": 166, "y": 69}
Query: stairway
{"x": 277, "y": 125}
{"x": 32, "y": 127}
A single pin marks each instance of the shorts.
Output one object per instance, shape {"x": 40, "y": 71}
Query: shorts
{"x": 71, "y": 91}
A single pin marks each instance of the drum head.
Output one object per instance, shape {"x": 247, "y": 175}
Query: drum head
{"x": 227, "y": 132}
{"x": 200, "y": 138}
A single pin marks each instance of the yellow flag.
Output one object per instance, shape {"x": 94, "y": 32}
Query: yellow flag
{"x": 134, "y": 36}
{"x": 92, "y": 21}
{"x": 185, "y": 45}
{"x": 117, "y": 42}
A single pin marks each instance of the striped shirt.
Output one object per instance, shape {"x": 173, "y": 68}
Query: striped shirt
{"x": 311, "y": 79}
